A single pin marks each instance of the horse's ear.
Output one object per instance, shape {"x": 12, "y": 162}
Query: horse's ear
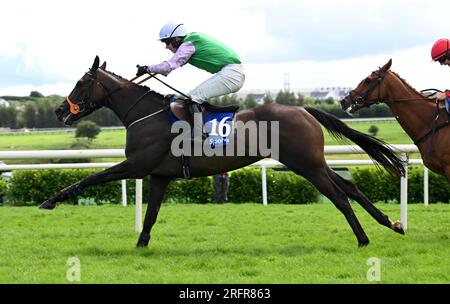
{"x": 95, "y": 64}
{"x": 387, "y": 66}
{"x": 103, "y": 66}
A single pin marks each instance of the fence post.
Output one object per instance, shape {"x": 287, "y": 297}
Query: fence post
{"x": 138, "y": 206}
{"x": 264, "y": 185}
{"x": 404, "y": 194}
{"x": 425, "y": 186}
{"x": 124, "y": 192}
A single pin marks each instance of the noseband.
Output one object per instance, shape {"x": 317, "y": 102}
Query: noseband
{"x": 78, "y": 107}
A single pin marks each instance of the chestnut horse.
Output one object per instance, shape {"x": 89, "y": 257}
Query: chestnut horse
{"x": 422, "y": 119}
{"x": 149, "y": 137}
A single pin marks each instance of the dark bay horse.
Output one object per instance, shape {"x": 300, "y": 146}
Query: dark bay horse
{"x": 148, "y": 142}
{"x": 416, "y": 113}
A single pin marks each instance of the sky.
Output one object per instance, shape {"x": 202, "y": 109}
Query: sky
{"x": 48, "y": 45}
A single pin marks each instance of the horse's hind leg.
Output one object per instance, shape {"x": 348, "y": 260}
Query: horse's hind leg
{"x": 354, "y": 193}
{"x": 323, "y": 182}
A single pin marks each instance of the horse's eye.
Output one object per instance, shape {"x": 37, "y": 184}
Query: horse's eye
{"x": 367, "y": 80}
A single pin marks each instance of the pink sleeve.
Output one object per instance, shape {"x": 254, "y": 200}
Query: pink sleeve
{"x": 182, "y": 55}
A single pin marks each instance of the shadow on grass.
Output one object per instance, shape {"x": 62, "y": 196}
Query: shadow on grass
{"x": 165, "y": 252}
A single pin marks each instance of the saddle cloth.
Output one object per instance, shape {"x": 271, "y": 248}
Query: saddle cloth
{"x": 217, "y": 126}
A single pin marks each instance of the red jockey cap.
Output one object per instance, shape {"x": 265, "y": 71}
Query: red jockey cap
{"x": 439, "y": 49}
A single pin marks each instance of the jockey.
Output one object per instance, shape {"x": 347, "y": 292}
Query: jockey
{"x": 441, "y": 52}
{"x": 203, "y": 52}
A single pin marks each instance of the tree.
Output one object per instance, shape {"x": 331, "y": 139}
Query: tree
{"x": 36, "y": 94}
{"x": 287, "y": 98}
{"x": 87, "y": 128}
{"x": 30, "y": 114}
{"x": 267, "y": 98}
{"x": 373, "y": 130}
{"x": 8, "y": 117}
{"x": 250, "y": 102}
{"x": 329, "y": 100}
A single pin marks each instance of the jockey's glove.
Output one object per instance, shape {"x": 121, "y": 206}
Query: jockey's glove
{"x": 142, "y": 70}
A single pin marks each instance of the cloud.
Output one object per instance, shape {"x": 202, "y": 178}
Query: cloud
{"x": 50, "y": 44}
{"x": 331, "y": 30}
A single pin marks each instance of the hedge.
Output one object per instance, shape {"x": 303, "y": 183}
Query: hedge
{"x": 379, "y": 186}
{"x": 284, "y": 187}
{"x": 3, "y": 188}
{"x": 34, "y": 186}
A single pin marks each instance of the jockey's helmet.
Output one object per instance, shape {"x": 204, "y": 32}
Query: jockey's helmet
{"x": 172, "y": 29}
{"x": 440, "y": 49}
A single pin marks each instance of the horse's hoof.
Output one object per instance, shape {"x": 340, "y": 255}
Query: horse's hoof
{"x": 363, "y": 243}
{"x": 397, "y": 226}
{"x": 143, "y": 241}
{"x": 48, "y": 204}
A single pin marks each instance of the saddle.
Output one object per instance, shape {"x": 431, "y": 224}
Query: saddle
{"x": 179, "y": 108}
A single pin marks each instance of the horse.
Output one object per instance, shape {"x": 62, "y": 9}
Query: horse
{"x": 149, "y": 136}
{"x": 417, "y": 114}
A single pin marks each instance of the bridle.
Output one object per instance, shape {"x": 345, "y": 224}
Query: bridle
{"x": 76, "y": 108}
{"x": 79, "y": 107}
{"x": 362, "y": 97}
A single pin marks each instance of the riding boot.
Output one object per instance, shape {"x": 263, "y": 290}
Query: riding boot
{"x": 196, "y": 122}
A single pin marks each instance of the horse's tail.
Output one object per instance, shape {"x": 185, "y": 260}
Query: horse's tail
{"x": 377, "y": 149}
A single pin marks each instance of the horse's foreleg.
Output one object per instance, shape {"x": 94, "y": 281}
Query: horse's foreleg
{"x": 158, "y": 186}
{"x": 117, "y": 172}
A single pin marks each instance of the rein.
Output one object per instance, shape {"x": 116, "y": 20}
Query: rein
{"x": 433, "y": 130}
{"x": 76, "y": 109}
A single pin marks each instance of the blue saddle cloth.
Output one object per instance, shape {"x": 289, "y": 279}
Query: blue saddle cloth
{"x": 217, "y": 126}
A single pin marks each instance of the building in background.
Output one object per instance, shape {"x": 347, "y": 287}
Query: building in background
{"x": 337, "y": 93}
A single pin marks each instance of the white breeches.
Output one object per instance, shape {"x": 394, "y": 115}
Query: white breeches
{"x": 228, "y": 80}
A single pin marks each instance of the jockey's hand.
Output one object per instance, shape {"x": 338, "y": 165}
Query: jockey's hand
{"x": 440, "y": 95}
{"x": 142, "y": 70}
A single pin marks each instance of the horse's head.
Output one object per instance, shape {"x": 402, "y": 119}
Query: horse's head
{"x": 368, "y": 92}
{"x": 87, "y": 96}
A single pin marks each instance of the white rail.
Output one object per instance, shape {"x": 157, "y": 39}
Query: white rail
{"x": 263, "y": 164}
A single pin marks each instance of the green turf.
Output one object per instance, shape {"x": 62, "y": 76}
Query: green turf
{"x": 110, "y": 139}
{"x": 390, "y": 132}
{"x": 228, "y": 243}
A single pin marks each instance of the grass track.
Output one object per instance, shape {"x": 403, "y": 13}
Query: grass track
{"x": 389, "y": 131}
{"x": 227, "y": 243}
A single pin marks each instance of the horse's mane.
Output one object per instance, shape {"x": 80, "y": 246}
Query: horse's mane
{"x": 122, "y": 79}
{"x": 407, "y": 84}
